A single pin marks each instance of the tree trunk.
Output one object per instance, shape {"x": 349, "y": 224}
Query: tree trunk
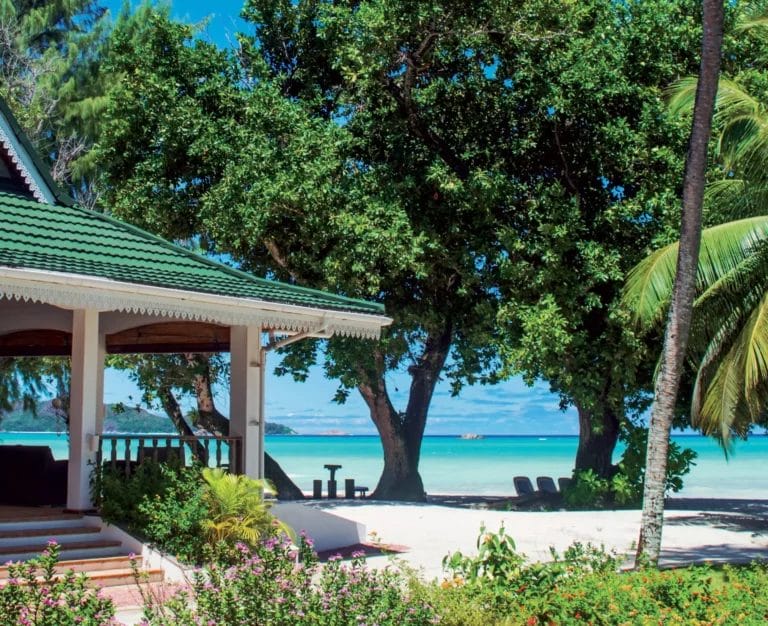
{"x": 681, "y": 309}
{"x": 598, "y": 434}
{"x": 213, "y": 421}
{"x": 401, "y": 433}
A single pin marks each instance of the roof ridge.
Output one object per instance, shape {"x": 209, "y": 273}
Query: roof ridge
{"x": 42, "y": 168}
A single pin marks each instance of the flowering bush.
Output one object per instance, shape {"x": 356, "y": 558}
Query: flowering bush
{"x": 278, "y": 583}
{"x": 36, "y": 596}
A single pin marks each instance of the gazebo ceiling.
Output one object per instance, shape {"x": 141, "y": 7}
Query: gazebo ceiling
{"x": 162, "y": 338}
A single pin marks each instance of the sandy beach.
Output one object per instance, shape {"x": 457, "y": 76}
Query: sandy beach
{"x": 695, "y": 530}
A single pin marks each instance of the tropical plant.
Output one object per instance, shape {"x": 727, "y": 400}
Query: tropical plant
{"x": 681, "y": 309}
{"x": 729, "y": 340}
{"x": 237, "y": 510}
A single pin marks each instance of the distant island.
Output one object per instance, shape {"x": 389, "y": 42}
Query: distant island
{"x": 118, "y": 419}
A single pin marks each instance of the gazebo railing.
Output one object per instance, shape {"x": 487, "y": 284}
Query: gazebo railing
{"x": 124, "y": 452}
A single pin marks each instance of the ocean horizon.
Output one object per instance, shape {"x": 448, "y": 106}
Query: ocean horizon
{"x": 485, "y": 466}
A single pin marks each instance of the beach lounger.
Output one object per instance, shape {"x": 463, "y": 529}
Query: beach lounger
{"x": 564, "y": 483}
{"x": 546, "y": 484}
{"x": 523, "y": 486}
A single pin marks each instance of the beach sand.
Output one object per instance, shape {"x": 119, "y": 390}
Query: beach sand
{"x": 695, "y": 530}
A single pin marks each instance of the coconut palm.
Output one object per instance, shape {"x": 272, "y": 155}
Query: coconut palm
{"x": 729, "y": 342}
{"x": 681, "y": 302}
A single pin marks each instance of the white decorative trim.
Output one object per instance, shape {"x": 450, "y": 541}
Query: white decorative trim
{"x": 72, "y": 291}
{"x": 35, "y": 185}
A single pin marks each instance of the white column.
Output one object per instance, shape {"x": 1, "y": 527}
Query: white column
{"x": 100, "y": 408}
{"x": 246, "y": 403}
{"x": 87, "y": 372}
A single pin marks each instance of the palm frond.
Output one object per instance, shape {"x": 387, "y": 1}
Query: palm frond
{"x": 759, "y": 21}
{"x": 722, "y": 398}
{"x": 755, "y": 338}
{"x": 737, "y": 198}
{"x": 723, "y": 248}
{"x": 682, "y": 95}
{"x": 743, "y": 146}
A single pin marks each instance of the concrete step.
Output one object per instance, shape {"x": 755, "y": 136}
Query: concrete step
{"x": 70, "y": 550}
{"x": 53, "y": 520}
{"x": 90, "y": 565}
{"x": 112, "y": 577}
{"x": 65, "y": 534}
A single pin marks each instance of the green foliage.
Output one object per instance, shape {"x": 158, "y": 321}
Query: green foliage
{"x": 582, "y": 586}
{"x": 35, "y": 595}
{"x": 495, "y": 565}
{"x": 162, "y": 502}
{"x": 267, "y": 585}
{"x": 173, "y": 518}
{"x": 236, "y": 509}
{"x": 625, "y": 487}
{"x": 193, "y": 513}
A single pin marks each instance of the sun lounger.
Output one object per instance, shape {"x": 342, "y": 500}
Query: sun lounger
{"x": 523, "y": 486}
{"x": 564, "y": 483}
{"x": 546, "y": 484}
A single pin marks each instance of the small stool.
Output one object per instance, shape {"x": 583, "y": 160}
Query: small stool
{"x": 317, "y": 489}
{"x": 361, "y": 490}
{"x": 349, "y": 488}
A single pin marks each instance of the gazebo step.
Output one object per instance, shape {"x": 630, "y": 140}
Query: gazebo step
{"x": 98, "y": 564}
{"x": 9, "y": 523}
{"x": 111, "y": 577}
{"x": 69, "y": 550}
{"x": 23, "y": 536}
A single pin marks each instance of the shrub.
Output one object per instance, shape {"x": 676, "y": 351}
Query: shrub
{"x": 625, "y": 488}
{"x": 278, "y": 583}
{"x": 582, "y": 586}
{"x": 173, "y": 518}
{"x": 36, "y": 596}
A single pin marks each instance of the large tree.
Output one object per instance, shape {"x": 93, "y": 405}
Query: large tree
{"x": 681, "y": 306}
{"x": 440, "y": 157}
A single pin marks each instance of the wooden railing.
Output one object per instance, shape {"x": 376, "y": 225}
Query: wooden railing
{"x": 124, "y": 452}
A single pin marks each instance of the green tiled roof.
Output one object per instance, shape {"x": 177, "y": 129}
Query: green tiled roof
{"x": 77, "y": 241}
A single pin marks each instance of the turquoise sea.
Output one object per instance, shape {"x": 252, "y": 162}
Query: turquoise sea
{"x": 484, "y": 466}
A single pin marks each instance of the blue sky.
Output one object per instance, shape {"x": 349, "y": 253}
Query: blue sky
{"x": 508, "y": 408}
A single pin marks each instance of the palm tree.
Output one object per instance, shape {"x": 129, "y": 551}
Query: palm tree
{"x": 681, "y": 308}
{"x": 728, "y": 340}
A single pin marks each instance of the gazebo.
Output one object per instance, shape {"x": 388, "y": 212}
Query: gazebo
{"x": 78, "y": 283}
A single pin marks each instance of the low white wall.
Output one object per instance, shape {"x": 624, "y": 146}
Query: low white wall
{"x": 152, "y": 559}
{"x": 327, "y": 531}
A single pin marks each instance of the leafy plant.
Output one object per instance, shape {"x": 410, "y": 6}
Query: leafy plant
{"x": 236, "y": 509}
{"x": 35, "y": 595}
{"x": 625, "y": 487}
{"x": 271, "y": 585}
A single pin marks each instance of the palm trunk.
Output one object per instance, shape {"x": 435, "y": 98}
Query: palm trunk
{"x": 681, "y": 309}
{"x": 402, "y": 433}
